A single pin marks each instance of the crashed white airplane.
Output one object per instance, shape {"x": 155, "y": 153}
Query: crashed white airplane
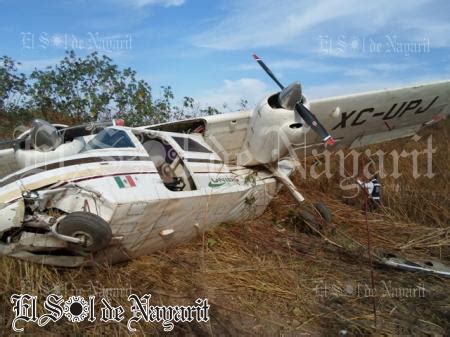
{"x": 72, "y": 196}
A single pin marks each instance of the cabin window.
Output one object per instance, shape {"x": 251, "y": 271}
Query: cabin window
{"x": 109, "y": 138}
{"x": 188, "y": 144}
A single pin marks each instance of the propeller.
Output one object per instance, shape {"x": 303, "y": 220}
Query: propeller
{"x": 291, "y": 98}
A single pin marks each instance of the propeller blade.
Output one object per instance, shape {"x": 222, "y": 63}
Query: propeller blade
{"x": 267, "y": 70}
{"x": 314, "y": 123}
{"x": 287, "y": 99}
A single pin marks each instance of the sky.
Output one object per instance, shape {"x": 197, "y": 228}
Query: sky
{"x": 203, "y": 49}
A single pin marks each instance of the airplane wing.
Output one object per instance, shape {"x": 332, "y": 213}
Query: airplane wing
{"x": 375, "y": 117}
{"x": 354, "y": 120}
{"x": 8, "y": 162}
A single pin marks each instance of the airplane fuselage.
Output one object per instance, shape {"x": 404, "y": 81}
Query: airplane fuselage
{"x": 130, "y": 188}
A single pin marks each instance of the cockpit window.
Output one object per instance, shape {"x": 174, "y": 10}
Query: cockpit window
{"x": 188, "y": 144}
{"x": 109, "y": 138}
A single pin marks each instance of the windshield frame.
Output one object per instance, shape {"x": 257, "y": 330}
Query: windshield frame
{"x": 110, "y": 142}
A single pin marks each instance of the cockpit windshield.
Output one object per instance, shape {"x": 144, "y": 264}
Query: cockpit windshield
{"x": 109, "y": 138}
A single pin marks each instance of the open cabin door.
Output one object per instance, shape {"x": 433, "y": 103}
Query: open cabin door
{"x": 169, "y": 163}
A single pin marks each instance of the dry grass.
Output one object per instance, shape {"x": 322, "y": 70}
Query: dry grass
{"x": 268, "y": 277}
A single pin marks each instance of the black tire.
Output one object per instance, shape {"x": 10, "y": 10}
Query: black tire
{"x": 92, "y": 228}
{"x": 324, "y": 212}
{"x": 307, "y": 216}
{"x": 308, "y": 220}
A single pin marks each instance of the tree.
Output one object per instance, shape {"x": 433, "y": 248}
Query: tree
{"x": 87, "y": 89}
{"x": 13, "y": 85}
{"x": 13, "y": 94}
{"x": 92, "y": 88}
{"x": 191, "y": 109}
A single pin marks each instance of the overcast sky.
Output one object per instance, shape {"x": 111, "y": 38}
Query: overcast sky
{"x": 203, "y": 48}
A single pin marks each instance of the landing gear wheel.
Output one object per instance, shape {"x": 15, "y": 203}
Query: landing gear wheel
{"x": 94, "y": 231}
{"x": 307, "y": 216}
{"x": 308, "y": 222}
{"x": 324, "y": 212}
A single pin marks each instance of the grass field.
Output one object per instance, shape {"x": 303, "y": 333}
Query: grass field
{"x": 271, "y": 276}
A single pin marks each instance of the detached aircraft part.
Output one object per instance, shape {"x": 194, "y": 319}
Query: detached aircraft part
{"x": 432, "y": 267}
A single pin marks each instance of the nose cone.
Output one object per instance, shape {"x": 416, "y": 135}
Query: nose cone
{"x": 290, "y": 95}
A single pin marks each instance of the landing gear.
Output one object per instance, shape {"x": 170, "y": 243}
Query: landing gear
{"x": 324, "y": 212}
{"x": 312, "y": 218}
{"x": 93, "y": 231}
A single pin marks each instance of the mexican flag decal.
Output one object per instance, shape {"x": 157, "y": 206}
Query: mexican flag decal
{"x": 125, "y": 181}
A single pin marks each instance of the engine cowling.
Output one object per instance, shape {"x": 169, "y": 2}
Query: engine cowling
{"x": 271, "y": 131}
{"x": 44, "y": 136}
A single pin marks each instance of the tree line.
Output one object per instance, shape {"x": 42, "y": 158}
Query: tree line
{"x": 84, "y": 89}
